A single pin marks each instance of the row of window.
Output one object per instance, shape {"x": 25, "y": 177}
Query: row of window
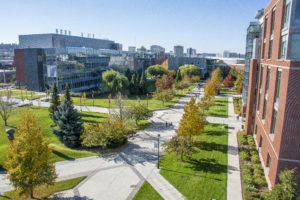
{"x": 283, "y": 43}
{"x": 266, "y": 96}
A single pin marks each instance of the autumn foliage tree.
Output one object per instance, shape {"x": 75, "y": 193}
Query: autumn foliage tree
{"x": 228, "y": 81}
{"x": 27, "y": 160}
{"x": 191, "y": 124}
{"x": 216, "y": 79}
{"x": 238, "y": 85}
{"x": 164, "y": 90}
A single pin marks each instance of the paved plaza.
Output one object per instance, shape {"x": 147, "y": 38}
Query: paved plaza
{"x": 120, "y": 175}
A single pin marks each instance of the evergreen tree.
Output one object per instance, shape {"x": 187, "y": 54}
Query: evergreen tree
{"x": 67, "y": 94}
{"x": 128, "y": 74}
{"x": 70, "y": 125}
{"x": 54, "y": 102}
{"x": 143, "y": 84}
{"x": 28, "y": 163}
{"x": 136, "y": 84}
{"x": 132, "y": 84}
{"x": 178, "y": 76}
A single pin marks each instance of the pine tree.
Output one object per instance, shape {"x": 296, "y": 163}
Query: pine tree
{"x": 132, "y": 84}
{"x": 128, "y": 74}
{"x": 28, "y": 157}
{"x": 136, "y": 84}
{"x": 178, "y": 76}
{"x": 54, "y": 102}
{"x": 70, "y": 125}
{"x": 67, "y": 94}
{"x": 143, "y": 84}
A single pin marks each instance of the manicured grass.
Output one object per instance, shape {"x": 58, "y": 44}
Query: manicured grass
{"x": 226, "y": 91}
{"x": 204, "y": 176}
{"x": 44, "y": 191}
{"x": 220, "y": 108}
{"x": 153, "y": 104}
{"x": 60, "y": 152}
{"x": 147, "y": 192}
{"x": 26, "y": 94}
{"x": 237, "y": 103}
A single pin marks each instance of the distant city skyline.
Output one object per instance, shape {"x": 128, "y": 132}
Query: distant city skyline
{"x": 205, "y": 25}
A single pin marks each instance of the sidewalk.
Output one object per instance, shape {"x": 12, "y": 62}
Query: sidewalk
{"x": 234, "y": 190}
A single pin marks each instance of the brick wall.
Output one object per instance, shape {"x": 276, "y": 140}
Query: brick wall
{"x": 20, "y": 65}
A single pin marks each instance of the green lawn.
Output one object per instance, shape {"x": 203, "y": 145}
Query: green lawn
{"x": 26, "y": 94}
{"x": 60, "y": 152}
{"x": 205, "y": 175}
{"x": 153, "y": 104}
{"x": 147, "y": 192}
{"x": 226, "y": 91}
{"x": 43, "y": 191}
{"x": 220, "y": 108}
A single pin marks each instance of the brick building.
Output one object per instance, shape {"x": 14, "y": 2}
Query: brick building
{"x": 274, "y": 90}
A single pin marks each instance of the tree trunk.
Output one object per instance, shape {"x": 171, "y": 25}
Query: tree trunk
{"x": 31, "y": 194}
{"x": 5, "y": 122}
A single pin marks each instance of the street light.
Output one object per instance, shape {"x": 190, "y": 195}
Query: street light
{"x": 10, "y": 135}
{"x": 147, "y": 100}
{"x": 158, "y": 151}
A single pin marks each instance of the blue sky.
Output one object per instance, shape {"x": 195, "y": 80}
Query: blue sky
{"x": 207, "y": 25}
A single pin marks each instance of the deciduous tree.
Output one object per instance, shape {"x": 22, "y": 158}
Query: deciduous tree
{"x": 5, "y": 106}
{"x": 156, "y": 71}
{"x": 28, "y": 163}
{"x": 115, "y": 82}
{"x": 139, "y": 112}
{"x": 238, "y": 85}
{"x": 286, "y": 189}
{"x": 228, "y": 81}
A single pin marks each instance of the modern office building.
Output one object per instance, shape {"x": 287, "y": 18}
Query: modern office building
{"x": 157, "y": 49}
{"x": 178, "y": 51}
{"x": 191, "y": 52}
{"x": 277, "y": 76}
{"x": 47, "y": 58}
{"x": 252, "y": 46}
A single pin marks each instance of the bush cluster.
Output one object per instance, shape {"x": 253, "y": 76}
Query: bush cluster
{"x": 252, "y": 173}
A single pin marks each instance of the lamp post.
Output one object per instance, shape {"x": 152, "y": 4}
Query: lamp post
{"x": 10, "y": 135}
{"x": 158, "y": 151}
{"x": 147, "y": 100}
{"x": 109, "y": 96}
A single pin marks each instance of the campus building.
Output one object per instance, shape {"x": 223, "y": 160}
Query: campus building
{"x": 47, "y": 58}
{"x": 178, "y": 51}
{"x": 276, "y": 78}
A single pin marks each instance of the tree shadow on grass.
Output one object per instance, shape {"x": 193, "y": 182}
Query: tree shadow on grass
{"x": 208, "y": 165}
{"x": 188, "y": 174}
{"x": 211, "y": 146}
{"x": 90, "y": 121}
{"x": 91, "y": 115}
{"x": 64, "y": 156}
{"x": 216, "y": 132}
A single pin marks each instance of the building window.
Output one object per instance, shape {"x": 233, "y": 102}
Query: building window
{"x": 263, "y": 50}
{"x": 264, "y": 109}
{"x": 268, "y": 161}
{"x": 260, "y": 141}
{"x": 261, "y": 76}
{"x": 265, "y": 26}
{"x": 278, "y": 84}
{"x": 283, "y": 46}
{"x": 270, "y": 48}
{"x": 286, "y": 16}
{"x": 255, "y": 132}
{"x": 273, "y": 22}
{"x": 274, "y": 121}
{"x": 267, "y": 83}
{"x": 297, "y": 14}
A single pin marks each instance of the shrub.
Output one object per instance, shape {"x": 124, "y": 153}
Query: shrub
{"x": 241, "y": 138}
{"x": 244, "y": 155}
{"x": 255, "y": 158}
{"x": 251, "y": 193}
{"x": 110, "y": 134}
{"x": 251, "y": 141}
{"x": 260, "y": 181}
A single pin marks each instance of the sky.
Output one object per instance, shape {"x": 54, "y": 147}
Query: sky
{"x": 206, "y": 25}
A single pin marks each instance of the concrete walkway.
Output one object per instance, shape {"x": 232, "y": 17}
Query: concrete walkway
{"x": 234, "y": 190}
{"x": 120, "y": 175}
